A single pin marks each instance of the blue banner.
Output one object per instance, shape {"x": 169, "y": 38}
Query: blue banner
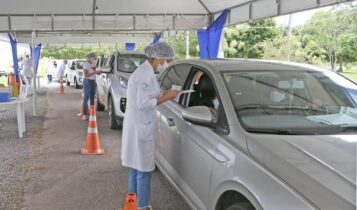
{"x": 156, "y": 40}
{"x": 130, "y": 47}
{"x": 210, "y": 38}
{"x": 14, "y": 56}
{"x": 37, "y": 55}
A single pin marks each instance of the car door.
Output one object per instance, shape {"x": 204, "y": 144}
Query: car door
{"x": 105, "y": 79}
{"x": 187, "y": 151}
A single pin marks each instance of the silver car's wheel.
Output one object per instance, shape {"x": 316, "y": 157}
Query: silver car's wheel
{"x": 113, "y": 123}
{"x": 76, "y": 83}
{"x": 100, "y": 106}
{"x": 241, "y": 206}
{"x": 67, "y": 81}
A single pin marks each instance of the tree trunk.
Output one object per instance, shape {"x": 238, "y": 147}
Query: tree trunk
{"x": 341, "y": 64}
{"x": 332, "y": 60}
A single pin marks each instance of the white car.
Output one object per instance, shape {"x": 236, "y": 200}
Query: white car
{"x": 74, "y": 73}
{"x": 112, "y": 84}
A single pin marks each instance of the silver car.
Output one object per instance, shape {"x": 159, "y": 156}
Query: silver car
{"x": 111, "y": 86}
{"x": 259, "y": 135}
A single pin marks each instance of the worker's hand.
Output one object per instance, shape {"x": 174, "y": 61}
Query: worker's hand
{"x": 171, "y": 94}
{"x": 98, "y": 72}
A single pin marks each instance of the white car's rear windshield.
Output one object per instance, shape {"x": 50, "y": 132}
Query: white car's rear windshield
{"x": 293, "y": 102}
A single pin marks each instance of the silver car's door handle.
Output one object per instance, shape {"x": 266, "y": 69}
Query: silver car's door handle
{"x": 171, "y": 122}
{"x": 217, "y": 156}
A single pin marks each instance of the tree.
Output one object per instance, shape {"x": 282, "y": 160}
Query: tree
{"x": 179, "y": 44}
{"x": 244, "y": 41}
{"x": 334, "y": 31}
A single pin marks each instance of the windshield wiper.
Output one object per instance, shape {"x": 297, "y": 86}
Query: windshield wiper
{"x": 284, "y": 131}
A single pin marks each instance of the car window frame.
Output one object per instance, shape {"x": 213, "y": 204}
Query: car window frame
{"x": 221, "y": 126}
{"x": 162, "y": 78}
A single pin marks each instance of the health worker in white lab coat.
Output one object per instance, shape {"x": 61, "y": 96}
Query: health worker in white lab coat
{"x": 140, "y": 129}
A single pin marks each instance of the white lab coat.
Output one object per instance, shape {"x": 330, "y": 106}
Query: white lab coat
{"x": 60, "y": 71}
{"x": 140, "y": 128}
{"x": 26, "y": 67}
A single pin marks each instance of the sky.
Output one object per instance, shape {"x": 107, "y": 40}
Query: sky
{"x": 298, "y": 18}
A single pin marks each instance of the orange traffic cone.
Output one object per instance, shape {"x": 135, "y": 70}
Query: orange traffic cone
{"x": 92, "y": 146}
{"x": 130, "y": 202}
{"x": 80, "y": 114}
{"x": 61, "y": 88}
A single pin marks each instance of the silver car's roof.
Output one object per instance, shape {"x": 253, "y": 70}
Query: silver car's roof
{"x": 252, "y": 64}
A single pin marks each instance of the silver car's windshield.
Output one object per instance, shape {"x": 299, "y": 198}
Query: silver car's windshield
{"x": 128, "y": 63}
{"x": 293, "y": 102}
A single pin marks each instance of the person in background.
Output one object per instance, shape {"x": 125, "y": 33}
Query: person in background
{"x": 60, "y": 71}
{"x": 26, "y": 69}
{"x": 50, "y": 70}
{"x": 89, "y": 83}
{"x": 140, "y": 123}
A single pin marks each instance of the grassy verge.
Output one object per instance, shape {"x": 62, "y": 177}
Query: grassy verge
{"x": 351, "y": 75}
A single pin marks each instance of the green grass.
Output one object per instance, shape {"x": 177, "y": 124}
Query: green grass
{"x": 351, "y": 75}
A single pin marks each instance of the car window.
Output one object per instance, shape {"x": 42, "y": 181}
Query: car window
{"x": 80, "y": 64}
{"x": 129, "y": 63}
{"x": 175, "y": 78}
{"x": 107, "y": 62}
{"x": 73, "y": 67}
{"x": 205, "y": 93}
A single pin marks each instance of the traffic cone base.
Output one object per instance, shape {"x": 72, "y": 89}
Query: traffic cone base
{"x": 99, "y": 151}
{"x": 61, "y": 88}
{"x": 130, "y": 202}
{"x": 80, "y": 114}
{"x": 92, "y": 146}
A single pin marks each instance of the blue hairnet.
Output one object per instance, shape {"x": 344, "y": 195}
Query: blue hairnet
{"x": 161, "y": 50}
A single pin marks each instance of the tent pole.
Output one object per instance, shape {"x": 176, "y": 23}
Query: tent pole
{"x": 187, "y": 44}
{"x": 34, "y": 94}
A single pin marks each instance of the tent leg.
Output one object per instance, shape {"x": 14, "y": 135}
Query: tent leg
{"x": 34, "y": 96}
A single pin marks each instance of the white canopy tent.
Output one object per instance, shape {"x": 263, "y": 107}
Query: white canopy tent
{"x": 113, "y": 21}
{"x": 87, "y": 21}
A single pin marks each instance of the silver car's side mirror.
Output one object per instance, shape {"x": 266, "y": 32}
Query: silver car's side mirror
{"x": 200, "y": 115}
{"x": 104, "y": 70}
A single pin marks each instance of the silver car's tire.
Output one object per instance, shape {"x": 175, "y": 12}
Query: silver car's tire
{"x": 113, "y": 122}
{"x": 100, "y": 107}
{"x": 76, "y": 85}
{"x": 67, "y": 81}
{"x": 241, "y": 206}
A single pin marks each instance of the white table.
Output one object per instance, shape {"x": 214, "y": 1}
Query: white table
{"x": 20, "y": 113}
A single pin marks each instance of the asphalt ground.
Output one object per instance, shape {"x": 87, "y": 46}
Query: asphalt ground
{"x": 61, "y": 178}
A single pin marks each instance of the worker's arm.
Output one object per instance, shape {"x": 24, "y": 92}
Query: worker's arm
{"x": 169, "y": 95}
{"x": 88, "y": 74}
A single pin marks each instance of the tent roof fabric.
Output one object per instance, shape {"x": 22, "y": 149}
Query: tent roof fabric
{"x": 53, "y": 17}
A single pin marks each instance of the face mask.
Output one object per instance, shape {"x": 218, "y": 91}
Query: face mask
{"x": 277, "y": 96}
{"x": 162, "y": 67}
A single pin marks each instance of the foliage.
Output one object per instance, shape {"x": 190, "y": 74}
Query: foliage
{"x": 244, "y": 41}
{"x": 72, "y": 53}
{"x": 179, "y": 44}
{"x": 330, "y": 36}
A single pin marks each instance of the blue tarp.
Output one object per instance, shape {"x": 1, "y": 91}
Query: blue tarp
{"x": 130, "y": 47}
{"x": 14, "y": 56}
{"x": 37, "y": 55}
{"x": 156, "y": 40}
{"x": 209, "y": 39}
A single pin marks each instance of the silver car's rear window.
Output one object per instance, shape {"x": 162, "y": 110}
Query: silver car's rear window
{"x": 128, "y": 63}
{"x": 293, "y": 102}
